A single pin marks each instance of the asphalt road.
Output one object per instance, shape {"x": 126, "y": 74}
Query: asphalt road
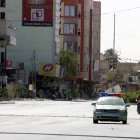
{"x": 62, "y": 120}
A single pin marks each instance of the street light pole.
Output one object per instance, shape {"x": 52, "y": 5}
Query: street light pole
{"x": 5, "y": 39}
{"x": 126, "y": 88}
{"x": 34, "y": 57}
{"x": 113, "y": 54}
{"x": 5, "y": 57}
{"x": 114, "y": 37}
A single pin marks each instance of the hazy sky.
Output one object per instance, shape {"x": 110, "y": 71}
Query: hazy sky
{"x": 127, "y": 13}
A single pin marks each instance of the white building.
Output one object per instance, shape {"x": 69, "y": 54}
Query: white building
{"x": 36, "y": 28}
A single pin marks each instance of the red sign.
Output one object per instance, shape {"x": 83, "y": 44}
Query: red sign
{"x": 37, "y": 12}
{"x": 48, "y": 67}
{"x": 118, "y": 76}
{"x": 9, "y": 64}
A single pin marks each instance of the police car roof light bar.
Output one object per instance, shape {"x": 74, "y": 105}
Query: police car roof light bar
{"x": 110, "y": 94}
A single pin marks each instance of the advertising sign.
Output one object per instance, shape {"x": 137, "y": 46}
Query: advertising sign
{"x": 37, "y": 12}
{"x": 51, "y": 70}
{"x": 96, "y": 65}
{"x": 8, "y": 64}
{"x": 12, "y": 33}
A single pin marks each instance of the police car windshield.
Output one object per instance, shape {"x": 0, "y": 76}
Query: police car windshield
{"x": 110, "y": 101}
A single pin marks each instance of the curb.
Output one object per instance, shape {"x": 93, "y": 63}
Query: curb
{"x": 7, "y": 102}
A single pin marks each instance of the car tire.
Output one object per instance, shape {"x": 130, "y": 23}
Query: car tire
{"x": 125, "y": 122}
{"x": 138, "y": 108}
{"x": 95, "y": 121}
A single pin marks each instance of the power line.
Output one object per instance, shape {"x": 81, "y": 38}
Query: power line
{"x": 106, "y": 13}
{"x": 119, "y": 11}
{"x": 130, "y": 59}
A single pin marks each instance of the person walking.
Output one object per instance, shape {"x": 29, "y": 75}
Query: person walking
{"x": 138, "y": 104}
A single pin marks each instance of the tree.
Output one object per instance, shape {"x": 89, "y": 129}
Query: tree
{"x": 76, "y": 93}
{"x": 110, "y": 53}
{"x": 139, "y": 63}
{"x": 3, "y": 93}
{"x": 69, "y": 62}
{"x": 112, "y": 57}
{"x": 69, "y": 94}
{"x": 41, "y": 94}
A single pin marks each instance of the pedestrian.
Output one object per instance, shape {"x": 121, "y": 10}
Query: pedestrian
{"x": 64, "y": 93}
{"x": 138, "y": 104}
{"x": 138, "y": 98}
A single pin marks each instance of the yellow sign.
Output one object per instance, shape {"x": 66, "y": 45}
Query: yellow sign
{"x": 111, "y": 73}
{"x": 47, "y": 69}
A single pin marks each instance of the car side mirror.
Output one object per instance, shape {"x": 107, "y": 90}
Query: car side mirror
{"x": 93, "y": 104}
{"x": 127, "y": 105}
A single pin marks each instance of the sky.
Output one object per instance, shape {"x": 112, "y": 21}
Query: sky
{"x": 127, "y": 28}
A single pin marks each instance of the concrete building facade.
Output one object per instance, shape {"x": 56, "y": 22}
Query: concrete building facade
{"x": 41, "y": 28}
{"x": 80, "y": 32}
{"x": 41, "y": 38}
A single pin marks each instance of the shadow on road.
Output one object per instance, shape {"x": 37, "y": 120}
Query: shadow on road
{"x": 117, "y": 123}
{"x": 67, "y": 135}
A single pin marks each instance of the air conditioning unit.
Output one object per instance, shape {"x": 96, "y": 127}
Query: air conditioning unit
{"x": 79, "y": 14}
{"x": 79, "y": 31}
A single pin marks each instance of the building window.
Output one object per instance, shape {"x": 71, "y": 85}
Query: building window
{"x": 79, "y": 49}
{"x": 2, "y": 57}
{"x": 70, "y": 46}
{"x": 2, "y": 3}
{"x": 78, "y": 67}
{"x": 70, "y": 11}
{"x": 79, "y": 13}
{"x": 79, "y": 31}
{"x": 2, "y": 15}
{"x": 86, "y": 67}
{"x": 69, "y": 28}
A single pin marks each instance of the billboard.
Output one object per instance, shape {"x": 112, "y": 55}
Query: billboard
{"x": 37, "y": 12}
{"x": 51, "y": 70}
{"x": 12, "y": 33}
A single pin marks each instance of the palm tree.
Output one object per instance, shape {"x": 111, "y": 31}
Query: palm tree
{"x": 110, "y": 53}
{"x": 112, "y": 57}
{"x": 139, "y": 63}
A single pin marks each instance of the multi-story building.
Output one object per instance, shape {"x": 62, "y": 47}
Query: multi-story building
{"x": 36, "y": 32}
{"x": 39, "y": 37}
{"x": 37, "y": 28}
{"x": 2, "y": 32}
{"x": 80, "y": 32}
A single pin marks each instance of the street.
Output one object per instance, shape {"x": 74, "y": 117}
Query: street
{"x": 62, "y": 120}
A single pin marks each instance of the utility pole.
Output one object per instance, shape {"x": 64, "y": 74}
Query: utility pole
{"x": 113, "y": 55}
{"x": 32, "y": 73}
{"x": 34, "y": 69}
{"x": 5, "y": 57}
{"x": 114, "y": 36}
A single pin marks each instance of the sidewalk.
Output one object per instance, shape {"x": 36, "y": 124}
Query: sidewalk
{"x": 7, "y": 102}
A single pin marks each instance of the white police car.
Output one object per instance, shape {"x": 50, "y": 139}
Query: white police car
{"x": 110, "y": 107}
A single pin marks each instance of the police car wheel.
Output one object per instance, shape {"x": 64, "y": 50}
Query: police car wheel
{"x": 138, "y": 111}
{"x": 95, "y": 121}
{"x": 138, "y": 108}
{"x": 125, "y": 122}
